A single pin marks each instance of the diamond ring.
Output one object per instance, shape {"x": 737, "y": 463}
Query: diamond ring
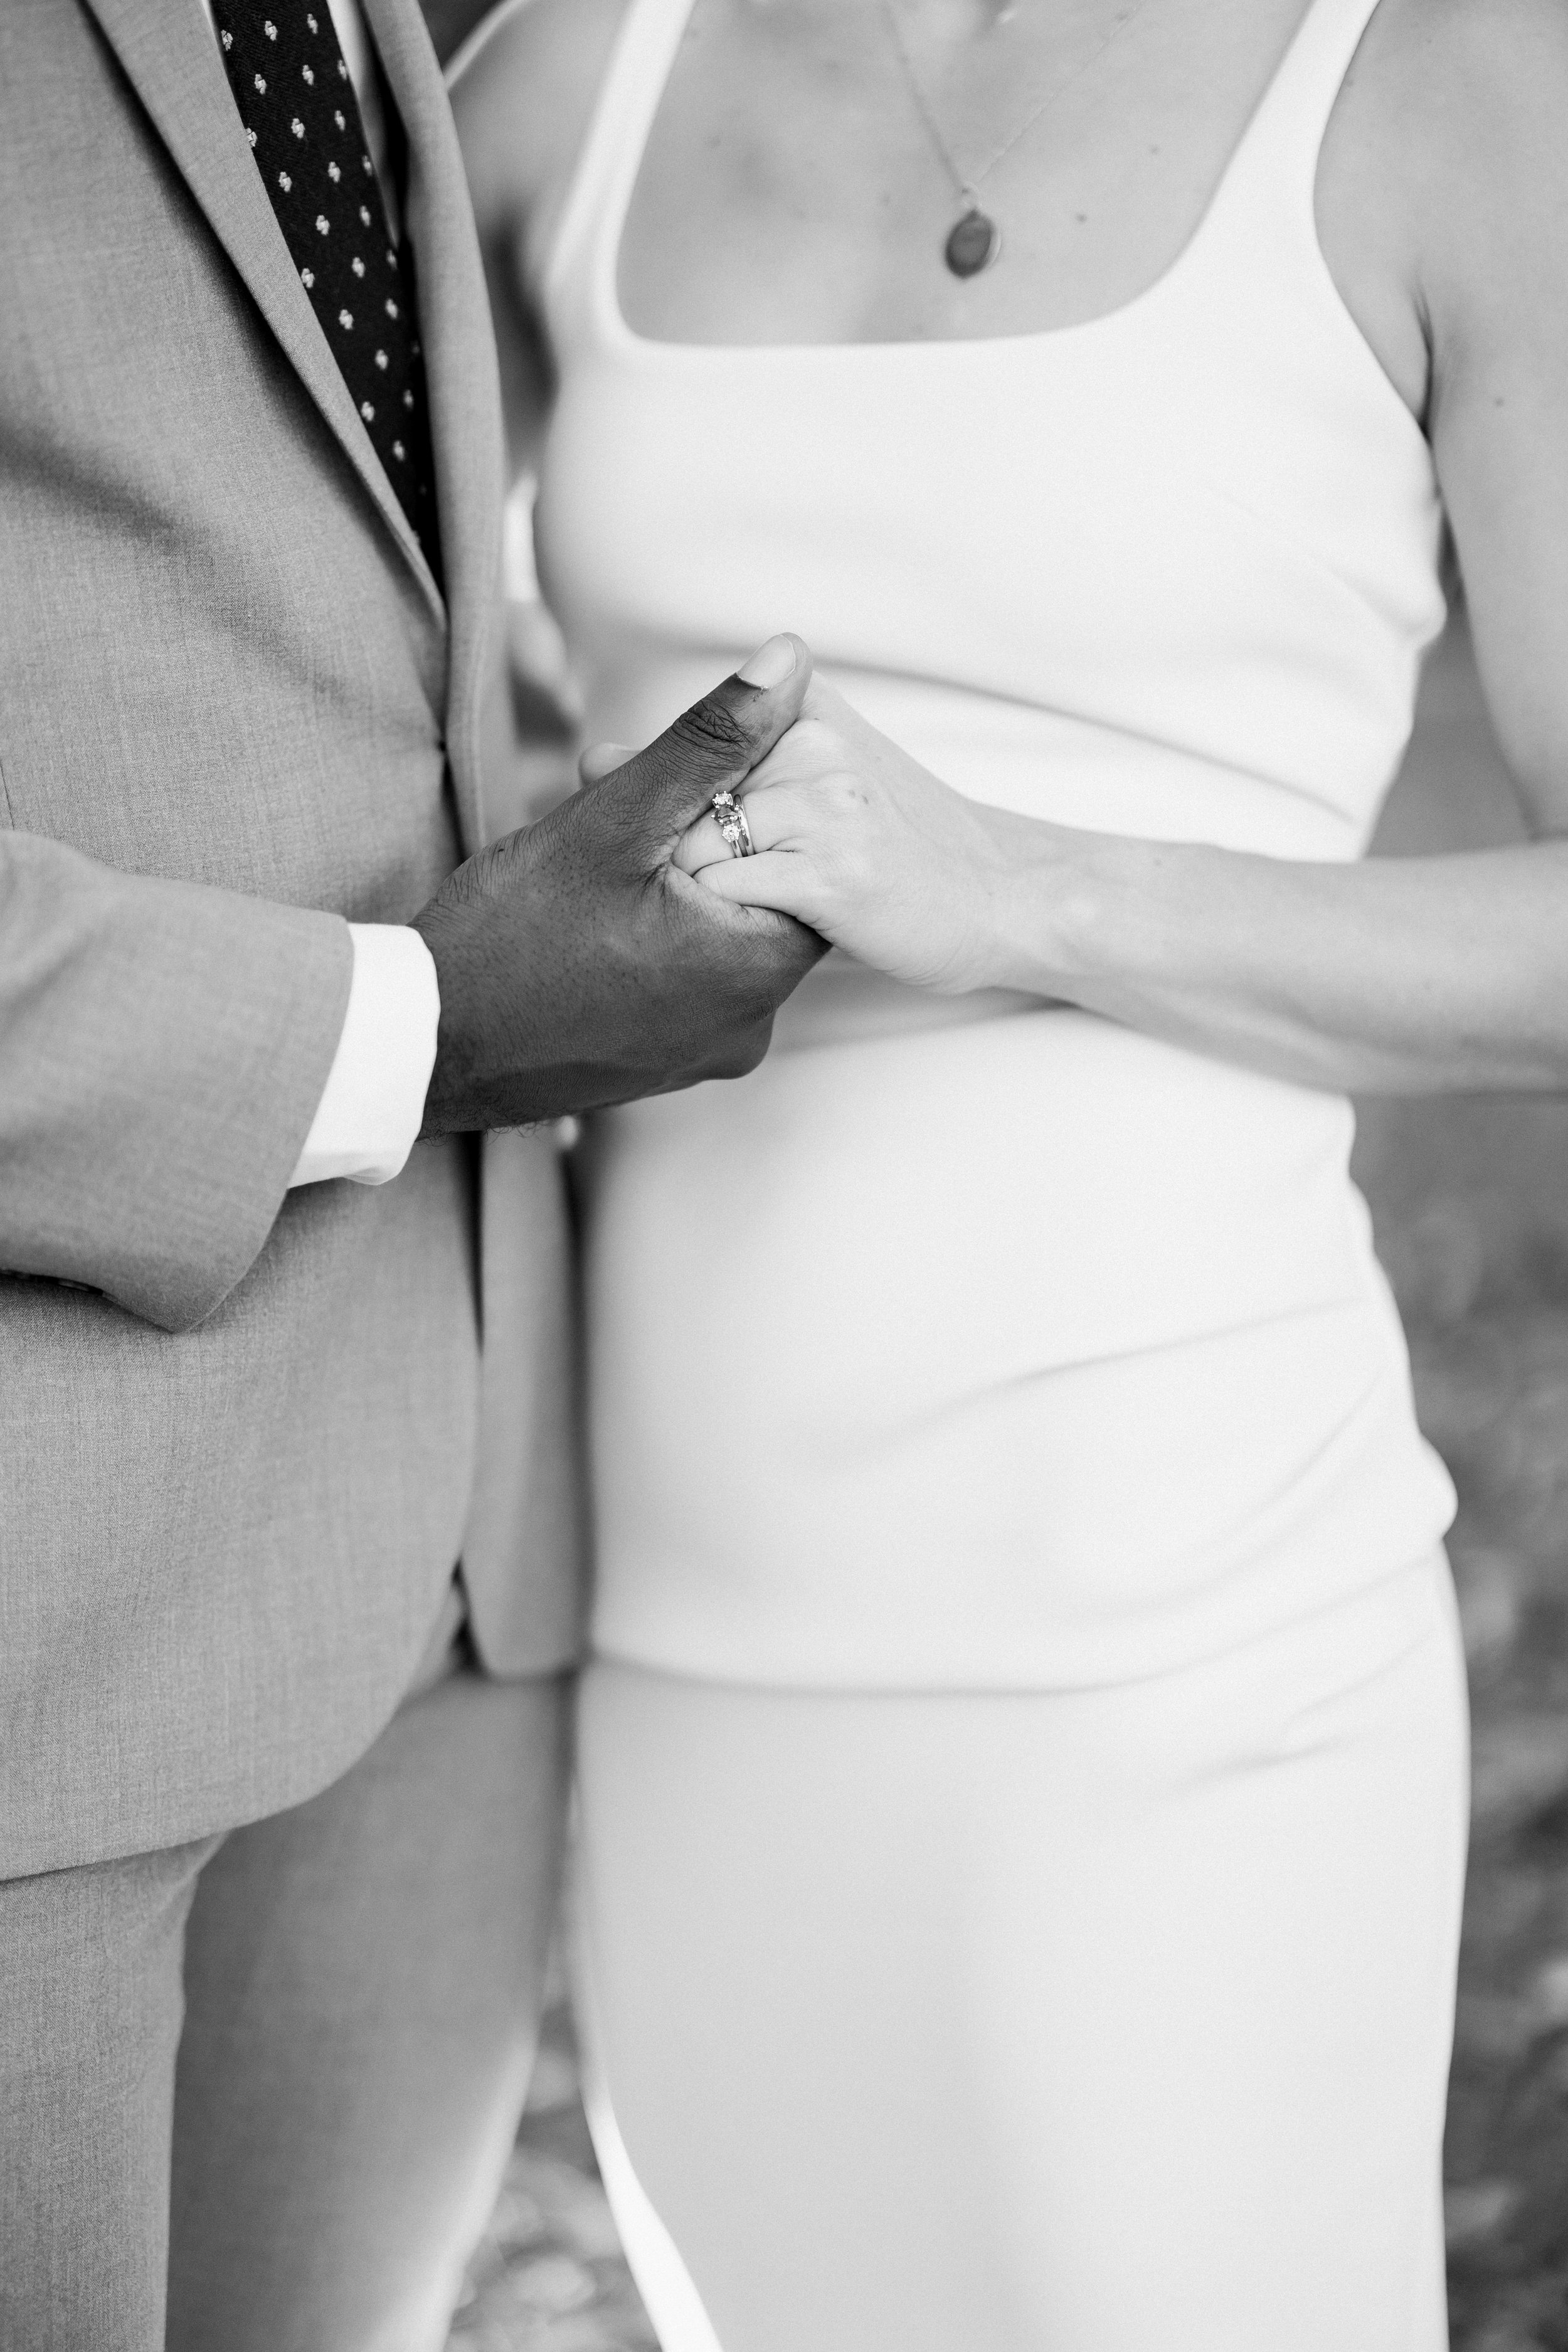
{"x": 731, "y": 818}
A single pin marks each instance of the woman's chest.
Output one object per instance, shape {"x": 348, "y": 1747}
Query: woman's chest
{"x": 803, "y": 165}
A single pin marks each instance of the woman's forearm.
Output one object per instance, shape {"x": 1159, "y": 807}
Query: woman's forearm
{"x": 1407, "y": 975}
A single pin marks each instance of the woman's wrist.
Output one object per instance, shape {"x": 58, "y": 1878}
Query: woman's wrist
{"x": 1070, "y": 911}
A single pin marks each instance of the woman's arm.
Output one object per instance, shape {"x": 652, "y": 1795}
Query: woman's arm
{"x": 1444, "y": 214}
{"x": 1409, "y": 975}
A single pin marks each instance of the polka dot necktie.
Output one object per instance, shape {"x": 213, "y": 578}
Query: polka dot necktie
{"x": 297, "y": 101}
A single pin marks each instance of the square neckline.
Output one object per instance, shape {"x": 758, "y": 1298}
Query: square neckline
{"x": 606, "y": 272}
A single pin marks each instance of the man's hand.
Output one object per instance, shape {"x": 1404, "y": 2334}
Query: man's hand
{"x": 579, "y": 967}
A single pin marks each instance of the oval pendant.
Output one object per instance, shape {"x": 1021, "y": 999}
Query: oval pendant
{"x": 972, "y": 244}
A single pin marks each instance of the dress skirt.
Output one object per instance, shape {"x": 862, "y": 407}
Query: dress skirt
{"x": 1098, "y": 2019}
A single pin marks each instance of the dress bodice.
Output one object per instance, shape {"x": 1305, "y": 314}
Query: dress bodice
{"x": 1169, "y": 571}
{"x": 1178, "y": 586}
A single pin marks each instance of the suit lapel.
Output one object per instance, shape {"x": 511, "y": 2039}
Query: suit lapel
{"x": 460, "y": 372}
{"x": 172, "y": 61}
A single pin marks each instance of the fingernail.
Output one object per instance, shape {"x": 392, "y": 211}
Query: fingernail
{"x": 770, "y": 664}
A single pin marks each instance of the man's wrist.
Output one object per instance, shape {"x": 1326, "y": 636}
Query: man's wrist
{"x": 476, "y": 1083}
{"x": 443, "y": 1107}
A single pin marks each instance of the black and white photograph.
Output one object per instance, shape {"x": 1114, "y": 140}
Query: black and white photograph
{"x": 783, "y": 1176}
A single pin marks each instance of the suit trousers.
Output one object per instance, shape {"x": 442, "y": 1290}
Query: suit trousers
{"x": 258, "y": 2089}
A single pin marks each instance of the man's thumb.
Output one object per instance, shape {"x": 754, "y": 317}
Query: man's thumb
{"x": 719, "y": 740}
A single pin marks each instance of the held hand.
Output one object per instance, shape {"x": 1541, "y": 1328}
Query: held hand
{"x": 854, "y": 838}
{"x": 578, "y": 966}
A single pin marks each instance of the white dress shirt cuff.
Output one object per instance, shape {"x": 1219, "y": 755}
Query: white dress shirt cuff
{"x": 373, "y": 1102}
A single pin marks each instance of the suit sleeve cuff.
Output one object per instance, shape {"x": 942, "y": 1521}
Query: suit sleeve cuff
{"x": 373, "y": 1105}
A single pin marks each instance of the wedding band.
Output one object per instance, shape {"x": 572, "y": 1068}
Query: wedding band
{"x": 731, "y": 822}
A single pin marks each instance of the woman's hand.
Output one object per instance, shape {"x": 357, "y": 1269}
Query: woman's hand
{"x": 856, "y": 839}
{"x": 1404, "y": 975}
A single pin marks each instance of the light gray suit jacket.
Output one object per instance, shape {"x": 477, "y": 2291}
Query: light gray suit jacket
{"x": 238, "y": 1462}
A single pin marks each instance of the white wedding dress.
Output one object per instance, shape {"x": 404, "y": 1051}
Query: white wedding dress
{"x": 1023, "y": 1776}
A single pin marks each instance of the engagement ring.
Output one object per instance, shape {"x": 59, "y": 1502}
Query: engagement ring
{"x": 732, "y": 824}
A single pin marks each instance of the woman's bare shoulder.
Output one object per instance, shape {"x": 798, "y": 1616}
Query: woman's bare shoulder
{"x": 1459, "y": 145}
{"x": 523, "y": 89}
{"x": 1443, "y": 188}
{"x": 1463, "y": 105}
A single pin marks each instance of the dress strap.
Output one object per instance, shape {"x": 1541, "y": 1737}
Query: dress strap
{"x": 581, "y": 269}
{"x": 1272, "y": 176}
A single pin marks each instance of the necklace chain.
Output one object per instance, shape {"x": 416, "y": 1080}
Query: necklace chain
{"x": 968, "y": 183}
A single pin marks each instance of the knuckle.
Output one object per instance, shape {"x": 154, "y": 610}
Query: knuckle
{"x": 711, "y": 727}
